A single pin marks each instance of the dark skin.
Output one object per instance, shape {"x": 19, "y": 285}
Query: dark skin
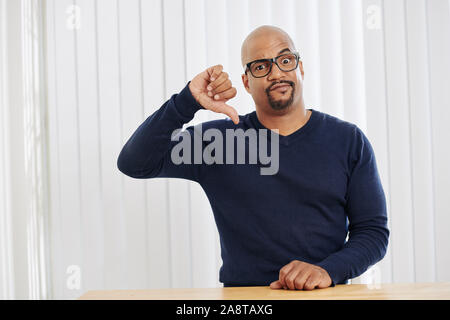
{"x": 269, "y": 42}
{"x": 213, "y": 88}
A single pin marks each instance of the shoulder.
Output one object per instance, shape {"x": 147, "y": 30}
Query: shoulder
{"x": 337, "y": 131}
{"x": 335, "y": 124}
{"x": 344, "y": 135}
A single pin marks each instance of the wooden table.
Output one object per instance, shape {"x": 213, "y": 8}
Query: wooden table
{"x": 411, "y": 291}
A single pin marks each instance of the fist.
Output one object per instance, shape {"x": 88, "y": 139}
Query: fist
{"x": 302, "y": 276}
{"x": 212, "y": 89}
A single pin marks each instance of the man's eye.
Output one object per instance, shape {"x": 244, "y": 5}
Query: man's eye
{"x": 260, "y": 67}
{"x": 286, "y": 60}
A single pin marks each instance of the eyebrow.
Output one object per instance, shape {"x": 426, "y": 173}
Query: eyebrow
{"x": 285, "y": 49}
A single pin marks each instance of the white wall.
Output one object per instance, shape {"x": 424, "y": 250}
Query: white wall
{"x": 6, "y": 257}
{"x": 111, "y": 63}
{"x": 23, "y": 195}
{"x": 104, "y": 79}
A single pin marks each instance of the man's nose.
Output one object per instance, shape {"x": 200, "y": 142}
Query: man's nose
{"x": 275, "y": 73}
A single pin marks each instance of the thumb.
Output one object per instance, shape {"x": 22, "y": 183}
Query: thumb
{"x": 232, "y": 113}
{"x": 219, "y": 107}
{"x": 276, "y": 285}
{"x": 229, "y": 111}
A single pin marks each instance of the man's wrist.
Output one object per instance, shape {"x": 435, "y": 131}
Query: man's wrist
{"x": 325, "y": 274}
{"x": 193, "y": 95}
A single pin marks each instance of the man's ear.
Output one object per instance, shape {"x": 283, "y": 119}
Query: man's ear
{"x": 302, "y": 72}
{"x": 245, "y": 82}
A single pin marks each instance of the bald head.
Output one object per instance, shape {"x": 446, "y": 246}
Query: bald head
{"x": 260, "y": 37}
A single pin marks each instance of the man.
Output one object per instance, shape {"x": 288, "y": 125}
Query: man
{"x": 289, "y": 229}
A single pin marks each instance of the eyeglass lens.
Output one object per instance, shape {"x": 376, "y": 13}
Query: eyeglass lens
{"x": 287, "y": 62}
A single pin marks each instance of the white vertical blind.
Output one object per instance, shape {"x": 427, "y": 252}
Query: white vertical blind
{"x": 421, "y": 150}
{"x": 111, "y": 63}
{"x": 398, "y": 122}
{"x": 307, "y": 43}
{"x": 109, "y": 104}
{"x": 178, "y": 197}
{"x": 89, "y": 137}
{"x": 153, "y": 67}
{"x": 6, "y": 255}
{"x": 204, "y": 239}
{"x": 23, "y": 197}
{"x": 132, "y": 112}
{"x": 376, "y": 106}
{"x": 65, "y": 168}
{"x": 438, "y": 26}
{"x": 353, "y": 71}
{"x": 330, "y": 53}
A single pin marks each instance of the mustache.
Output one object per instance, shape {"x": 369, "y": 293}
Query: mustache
{"x": 279, "y": 82}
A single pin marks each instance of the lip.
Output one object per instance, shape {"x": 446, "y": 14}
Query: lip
{"x": 280, "y": 85}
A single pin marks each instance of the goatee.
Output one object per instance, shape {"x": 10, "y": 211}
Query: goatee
{"x": 281, "y": 104}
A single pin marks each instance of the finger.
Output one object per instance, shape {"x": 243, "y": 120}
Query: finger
{"x": 283, "y": 272}
{"x": 291, "y": 278}
{"x": 215, "y": 71}
{"x": 216, "y": 83}
{"x": 224, "y": 86}
{"x": 276, "y": 285}
{"x": 312, "y": 282}
{"x": 301, "y": 279}
{"x": 324, "y": 283}
{"x": 228, "y": 94}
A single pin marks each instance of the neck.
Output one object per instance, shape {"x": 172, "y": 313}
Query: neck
{"x": 286, "y": 121}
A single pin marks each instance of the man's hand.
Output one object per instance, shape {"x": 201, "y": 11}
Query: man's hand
{"x": 212, "y": 89}
{"x": 302, "y": 276}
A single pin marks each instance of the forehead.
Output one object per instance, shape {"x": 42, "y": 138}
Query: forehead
{"x": 268, "y": 46}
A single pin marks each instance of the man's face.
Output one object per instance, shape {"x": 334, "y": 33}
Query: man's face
{"x": 262, "y": 89}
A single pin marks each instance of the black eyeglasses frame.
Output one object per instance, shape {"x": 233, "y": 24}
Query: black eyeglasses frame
{"x": 273, "y": 61}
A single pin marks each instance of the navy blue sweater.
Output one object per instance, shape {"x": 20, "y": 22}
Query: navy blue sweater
{"x": 327, "y": 187}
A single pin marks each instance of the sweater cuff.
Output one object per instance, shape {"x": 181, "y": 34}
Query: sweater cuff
{"x": 186, "y": 102}
{"x": 336, "y": 269}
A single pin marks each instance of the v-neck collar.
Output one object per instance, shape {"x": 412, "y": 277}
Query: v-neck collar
{"x": 286, "y": 140}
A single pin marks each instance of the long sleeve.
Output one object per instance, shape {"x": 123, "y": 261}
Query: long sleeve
{"x": 147, "y": 153}
{"x": 367, "y": 216}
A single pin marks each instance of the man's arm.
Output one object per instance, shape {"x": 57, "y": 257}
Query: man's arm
{"x": 368, "y": 232}
{"x": 367, "y": 215}
{"x": 147, "y": 153}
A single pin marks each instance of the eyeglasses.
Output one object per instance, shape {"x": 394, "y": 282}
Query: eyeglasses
{"x": 262, "y": 67}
